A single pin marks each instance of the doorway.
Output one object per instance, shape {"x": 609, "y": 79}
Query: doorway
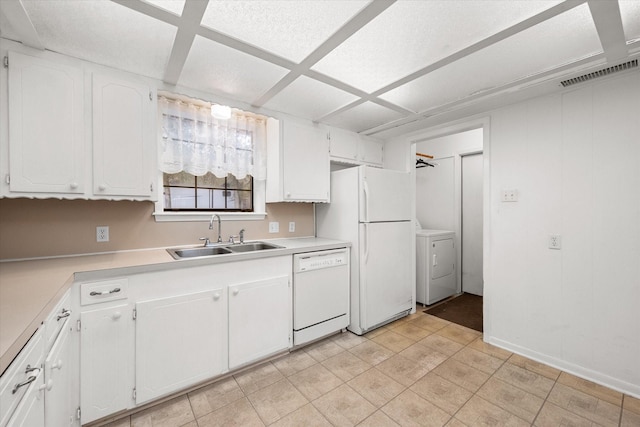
{"x": 471, "y": 224}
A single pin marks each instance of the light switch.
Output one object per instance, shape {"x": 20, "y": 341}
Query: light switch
{"x": 274, "y": 227}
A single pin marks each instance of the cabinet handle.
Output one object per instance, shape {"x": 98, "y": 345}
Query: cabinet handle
{"x": 116, "y": 315}
{"x": 63, "y": 314}
{"x": 73, "y": 185}
{"x": 49, "y": 385}
{"x": 236, "y": 291}
{"x": 216, "y": 296}
{"x": 28, "y": 381}
{"x": 96, "y": 293}
{"x": 57, "y": 365}
{"x": 102, "y": 187}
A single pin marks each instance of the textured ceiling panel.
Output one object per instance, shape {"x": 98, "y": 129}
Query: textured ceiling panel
{"x": 364, "y": 116}
{"x": 413, "y": 34}
{"x": 310, "y": 98}
{"x": 103, "y": 32}
{"x": 174, "y": 6}
{"x": 290, "y": 29}
{"x": 558, "y": 41}
{"x": 218, "y": 69}
{"x": 630, "y": 11}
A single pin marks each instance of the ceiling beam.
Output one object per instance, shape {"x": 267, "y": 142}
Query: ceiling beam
{"x": 362, "y": 18}
{"x": 21, "y": 23}
{"x": 150, "y": 10}
{"x": 187, "y": 30}
{"x": 606, "y": 16}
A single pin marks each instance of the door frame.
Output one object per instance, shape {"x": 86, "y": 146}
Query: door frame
{"x": 458, "y": 157}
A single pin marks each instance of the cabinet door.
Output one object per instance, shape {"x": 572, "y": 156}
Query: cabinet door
{"x": 30, "y": 411}
{"x": 106, "y": 355}
{"x": 59, "y": 408}
{"x": 179, "y": 341}
{"x": 305, "y": 163}
{"x": 259, "y": 319}
{"x": 46, "y": 126}
{"x": 123, "y": 137}
{"x": 370, "y": 152}
{"x": 344, "y": 145}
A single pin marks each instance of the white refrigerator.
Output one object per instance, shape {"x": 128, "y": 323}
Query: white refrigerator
{"x": 371, "y": 208}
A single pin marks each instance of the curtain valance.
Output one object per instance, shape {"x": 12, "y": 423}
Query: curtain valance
{"x": 193, "y": 141}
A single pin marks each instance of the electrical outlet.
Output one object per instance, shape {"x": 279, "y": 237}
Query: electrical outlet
{"x": 555, "y": 241}
{"x": 509, "y": 195}
{"x": 292, "y": 227}
{"x": 274, "y": 227}
{"x": 102, "y": 233}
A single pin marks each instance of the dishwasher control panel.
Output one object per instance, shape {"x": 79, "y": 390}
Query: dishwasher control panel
{"x": 318, "y": 260}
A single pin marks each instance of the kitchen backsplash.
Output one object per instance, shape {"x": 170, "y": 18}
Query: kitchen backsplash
{"x": 41, "y": 228}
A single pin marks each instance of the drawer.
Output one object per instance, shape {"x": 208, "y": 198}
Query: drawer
{"x": 24, "y": 370}
{"x": 103, "y": 291}
{"x": 57, "y": 318}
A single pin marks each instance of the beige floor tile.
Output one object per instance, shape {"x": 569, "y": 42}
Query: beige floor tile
{"x": 409, "y": 409}
{"x": 442, "y": 393}
{"x": 277, "y": 400}
{"x": 596, "y": 390}
{"x": 525, "y": 379}
{"x": 461, "y": 374}
{"x": 374, "y": 333}
{"x": 346, "y": 366}
{"x": 454, "y": 422}
{"x": 459, "y": 334}
{"x": 315, "y": 381}
{"x": 585, "y": 405}
{"x": 430, "y": 322}
{"x": 533, "y": 366}
{"x": 393, "y": 341}
{"x": 553, "y": 415}
{"x": 237, "y": 414}
{"x": 517, "y": 401}
{"x": 630, "y": 419}
{"x": 323, "y": 350}
{"x": 403, "y": 370}
{"x": 294, "y": 362}
{"x": 426, "y": 356}
{"x": 175, "y": 412}
{"x": 378, "y": 419}
{"x": 479, "y": 412}
{"x": 442, "y": 344}
{"x": 411, "y": 331}
{"x": 348, "y": 340}
{"x": 259, "y": 377}
{"x": 123, "y": 422}
{"x": 371, "y": 352}
{"x": 491, "y": 350}
{"x": 344, "y": 406}
{"x": 376, "y": 387}
{"x": 479, "y": 360}
{"x": 307, "y": 416}
{"x": 215, "y": 396}
{"x": 632, "y": 404}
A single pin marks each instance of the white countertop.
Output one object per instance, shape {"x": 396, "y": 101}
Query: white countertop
{"x": 30, "y": 289}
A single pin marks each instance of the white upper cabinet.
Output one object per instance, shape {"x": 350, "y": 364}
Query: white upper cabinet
{"x": 298, "y": 162}
{"x": 123, "y": 137}
{"x": 46, "y": 126}
{"x": 349, "y": 147}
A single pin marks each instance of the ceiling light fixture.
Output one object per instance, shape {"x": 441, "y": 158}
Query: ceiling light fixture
{"x": 220, "y": 112}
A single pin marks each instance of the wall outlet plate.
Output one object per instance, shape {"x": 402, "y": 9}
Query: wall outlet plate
{"x": 555, "y": 241}
{"x": 274, "y": 227}
{"x": 292, "y": 227}
{"x": 102, "y": 233}
{"x": 509, "y": 195}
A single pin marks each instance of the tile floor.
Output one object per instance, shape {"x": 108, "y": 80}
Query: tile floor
{"x": 418, "y": 371}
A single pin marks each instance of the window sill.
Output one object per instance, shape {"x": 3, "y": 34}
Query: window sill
{"x": 206, "y": 216}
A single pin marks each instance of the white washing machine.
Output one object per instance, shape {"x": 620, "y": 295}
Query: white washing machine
{"x": 435, "y": 265}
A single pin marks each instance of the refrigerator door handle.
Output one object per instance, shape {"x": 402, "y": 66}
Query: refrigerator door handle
{"x": 366, "y": 243}
{"x": 365, "y": 188}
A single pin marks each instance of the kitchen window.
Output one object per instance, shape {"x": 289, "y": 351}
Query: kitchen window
{"x": 209, "y": 163}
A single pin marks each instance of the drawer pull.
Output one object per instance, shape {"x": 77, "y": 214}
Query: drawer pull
{"x": 28, "y": 381}
{"x": 112, "y": 291}
{"x": 65, "y": 313}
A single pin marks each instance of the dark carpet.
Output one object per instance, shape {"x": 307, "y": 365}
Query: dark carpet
{"x": 465, "y": 310}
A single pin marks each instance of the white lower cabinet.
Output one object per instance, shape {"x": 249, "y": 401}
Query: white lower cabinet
{"x": 105, "y": 355}
{"x": 30, "y": 411}
{"x": 60, "y": 406}
{"x": 259, "y": 319}
{"x": 180, "y": 341}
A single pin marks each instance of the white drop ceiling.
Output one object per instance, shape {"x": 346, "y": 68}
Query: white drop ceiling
{"x": 376, "y": 67}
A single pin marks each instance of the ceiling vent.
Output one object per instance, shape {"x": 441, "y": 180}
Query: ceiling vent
{"x": 600, "y": 73}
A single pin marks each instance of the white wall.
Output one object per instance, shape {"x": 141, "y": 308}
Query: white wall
{"x": 574, "y": 159}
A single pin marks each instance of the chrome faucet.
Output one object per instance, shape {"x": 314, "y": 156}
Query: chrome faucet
{"x": 241, "y": 236}
{"x": 219, "y": 226}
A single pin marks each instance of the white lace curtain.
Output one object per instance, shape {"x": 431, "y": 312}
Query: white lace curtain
{"x": 193, "y": 141}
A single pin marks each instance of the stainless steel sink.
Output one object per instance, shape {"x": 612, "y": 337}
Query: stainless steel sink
{"x": 252, "y": 246}
{"x": 198, "y": 252}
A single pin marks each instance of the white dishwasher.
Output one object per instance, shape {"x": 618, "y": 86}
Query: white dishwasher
{"x": 320, "y": 294}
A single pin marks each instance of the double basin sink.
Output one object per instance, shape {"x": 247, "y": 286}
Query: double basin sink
{"x": 202, "y": 251}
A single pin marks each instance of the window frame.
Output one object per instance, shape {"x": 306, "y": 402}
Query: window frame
{"x": 225, "y": 189}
